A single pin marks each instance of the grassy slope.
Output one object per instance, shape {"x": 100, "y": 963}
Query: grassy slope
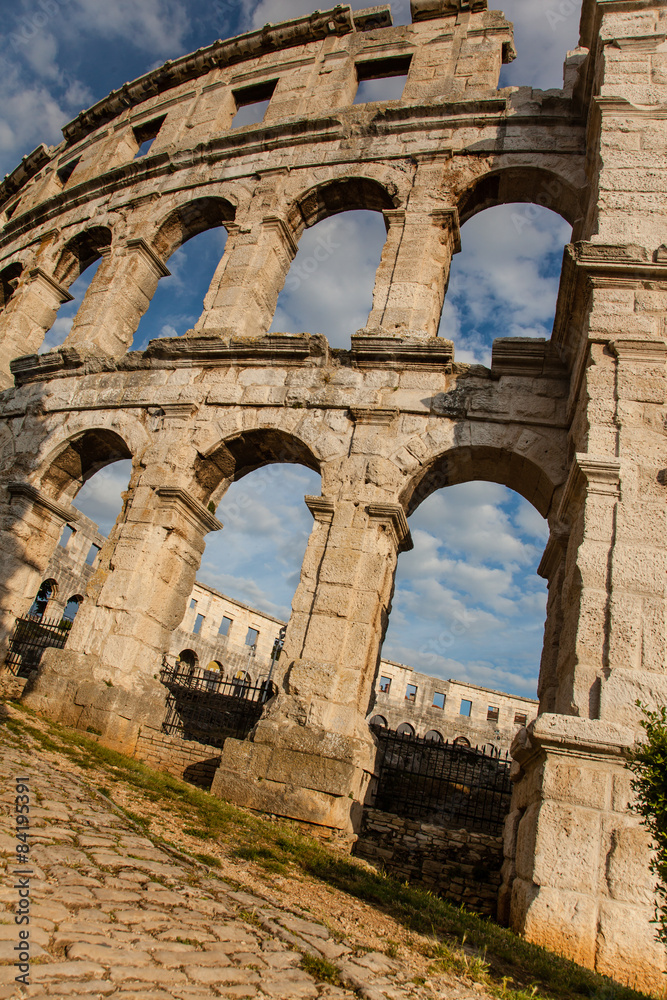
{"x": 495, "y": 957}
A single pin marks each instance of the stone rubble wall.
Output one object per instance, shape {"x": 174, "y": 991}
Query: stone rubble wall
{"x": 463, "y": 866}
{"x": 187, "y": 759}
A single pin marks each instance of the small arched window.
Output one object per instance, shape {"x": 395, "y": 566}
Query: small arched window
{"x": 47, "y": 590}
{"x": 462, "y": 741}
{"x": 71, "y": 608}
{"x": 433, "y": 736}
{"x": 405, "y": 729}
{"x": 187, "y": 660}
{"x": 378, "y": 720}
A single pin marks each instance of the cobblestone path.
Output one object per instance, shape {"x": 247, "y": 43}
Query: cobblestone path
{"x": 112, "y": 915}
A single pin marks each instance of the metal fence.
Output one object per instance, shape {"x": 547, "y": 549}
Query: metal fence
{"x": 442, "y": 782}
{"x": 202, "y": 706}
{"x": 30, "y": 637}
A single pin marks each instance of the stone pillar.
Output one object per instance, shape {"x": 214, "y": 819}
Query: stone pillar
{"x": 31, "y": 526}
{"x": 108, "y": 675}
{"x": 576, "y": 874}
{"x": 311, "y": 755}
{"x": 552, "y": 569}
{"x": 412, "y": 277}
{"x": 117, "y": 298}
{"x": 26, "y": 318}
{"x": 244, "y": 291}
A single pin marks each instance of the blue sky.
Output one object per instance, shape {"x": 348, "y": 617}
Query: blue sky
{"x": 468, "y": 603}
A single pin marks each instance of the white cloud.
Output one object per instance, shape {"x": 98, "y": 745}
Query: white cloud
{"x": 544, "y": 31}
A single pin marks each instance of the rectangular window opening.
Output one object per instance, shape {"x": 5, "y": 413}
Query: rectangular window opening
{"x": 225, "y": 625}
{"x": 145, "y": 135}
{"x": 252, "y": 636}
{"x": 492, "y": 713}
{"x": 466, "y": 708}
{"x": 438, "y": 700}
{"x": 199, "y": 621}
{"x": 193, "y": 602}
{"x": 520, "y": 719}
{"x": 385, "y": 684}
{"x": 64, "y": 173}
{"x": 381, "y": 79}
{"x": 252, "y": 102}
{"x": 68, "y": 532}
{"x": 93, "y": 553}
{"x": 411, "y": 692}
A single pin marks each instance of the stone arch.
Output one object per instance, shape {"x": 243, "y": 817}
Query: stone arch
{"x": 48, "y": 589}
{"x": 9, "y": 279}
{"x": 343, "y": 194}
{"x": 188, "y": 220}
{"x": 433, "y": 736}
{"x": 243, "y": 452}
{"x": 522, "y": 183}
{"x": 495, "y": 462}
{"x": 378, "y": 720}
{"x": 405, "y": 729}
{"x": 80, "y": 252}
{"x": 187, "y": 659}
{"x": 73, "y": 462}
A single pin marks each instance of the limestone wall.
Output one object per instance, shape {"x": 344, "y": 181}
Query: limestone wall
{"x": 462, "y": 866}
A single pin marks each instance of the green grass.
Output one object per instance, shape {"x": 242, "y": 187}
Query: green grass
{"x": 321, "y": 970}
{"x": 506, "y": 964}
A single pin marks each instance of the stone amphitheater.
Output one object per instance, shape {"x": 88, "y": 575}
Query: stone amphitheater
{"x": 576, "y": 425}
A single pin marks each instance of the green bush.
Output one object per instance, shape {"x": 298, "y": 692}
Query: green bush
{"x": 648, "y": 762}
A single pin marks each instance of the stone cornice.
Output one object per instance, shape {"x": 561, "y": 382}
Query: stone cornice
{"x": 379, "y": 416}
{"x": 27, "y": 168}
{"x": 371, "y": 346}
{"x": 393, "y": 516}
{"x": 567, "y": 735}
{"x": 149, "y": 254}
{"x": 277, "y": 223}
{"x": 596, "y": 474}
{"x": 532, "y": 357}
{"x": 30, "y": 494}
{"x": 171, "y": 497}
{"x": 322, "y": 508}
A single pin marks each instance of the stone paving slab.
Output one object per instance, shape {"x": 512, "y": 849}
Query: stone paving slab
{"x": 103, "y": 927}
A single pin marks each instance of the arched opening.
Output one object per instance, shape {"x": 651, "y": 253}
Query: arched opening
{"x": 462, "y": 741}
{"x": 258, "y": 479}
{"x": 72, "y": 606}
{"x": 80, "y": 459}
{"x": 76, "y": 267}
{"x": 192, "y": 240}
{"x": 504, "y": 282}
{"x": 433, "y": 736}
{"x": 215, "y": 667}
{"x": 47, "y": 591}
{"x": 405, "y": 729}
{"x": 329, "y": 287}
{"x": 468, "y": 604}
{"x": 187, "y": 659}
{"x": 9, "y": 279}
{"x": 378, "y": 720}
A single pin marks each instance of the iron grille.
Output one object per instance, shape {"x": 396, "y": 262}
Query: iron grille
{"x": 30, "y": 637}
{"x": 442, "y": 782}
{"x": 202, "y": 706}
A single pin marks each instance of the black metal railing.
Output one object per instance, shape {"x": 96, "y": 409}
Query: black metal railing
{"x": 442, "y": 782}
{"x": 202, "y": 706}
{"x": 30, "y": 636}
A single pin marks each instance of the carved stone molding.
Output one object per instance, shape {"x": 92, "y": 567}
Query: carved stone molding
{"x": 62, "y": 295}
{"x": 554, "y": 553}
{"x": 393, "y": 515}
{"x": 595, "y": 474}
{"x": 322, "y": 508}
{"x": 149, "y": 255}
{"x": 30, "y": 496}
{"x": 651, "y": 352}
{"x": 275, "y": 222}
{"x": 380, "y": 417}
{"x": 171, "y": 497}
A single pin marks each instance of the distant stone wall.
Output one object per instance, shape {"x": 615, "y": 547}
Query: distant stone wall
{"x": 187, "y": 759}
{"x": 462, "y": 866}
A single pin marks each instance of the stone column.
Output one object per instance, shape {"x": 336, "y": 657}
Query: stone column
{"x": 311, "y": 756}
{"x": 118, "y": 296}
{"x": 242, "y": 297}
{"x": 411, "y": 280}
{"x": 31, "y": 526}
{"x": 108, "y": 675}
{"x": 576, "y": 874}
{"x": 552, "y": 569}
{"x": 26, "y": 318}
